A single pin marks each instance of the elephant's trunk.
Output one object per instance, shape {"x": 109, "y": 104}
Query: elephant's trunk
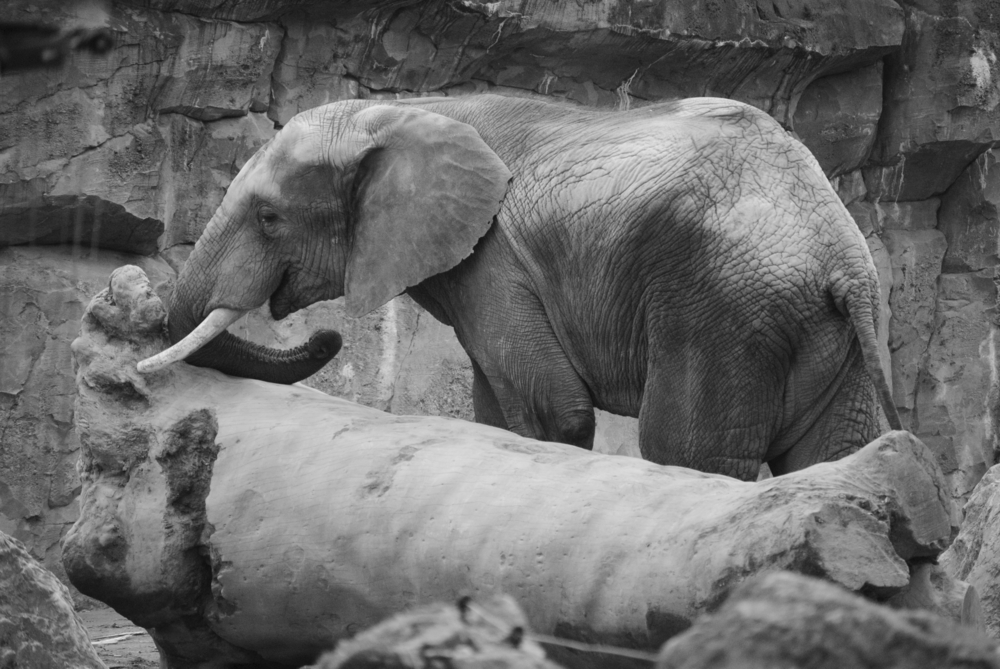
{"x": 207, "y": 344}
{"x": 237, "y": 357}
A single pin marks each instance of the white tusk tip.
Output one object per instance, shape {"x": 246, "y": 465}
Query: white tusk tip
{"x": 208, "y": 329}
{"x": 148, "y": 366}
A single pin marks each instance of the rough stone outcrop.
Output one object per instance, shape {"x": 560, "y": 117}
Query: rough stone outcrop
{"x": 209, "y": 503}
{"x": 109, "y": 123}
{"x": 38, "y": 626}
{"x": 789, "y": 621}
{"x": 491, "y": 634}
{"x": 941, "y": 95}
{"x": 109, "y": 149}
{"x": 43, "y": 294}
{"x": 975, "y": 554}
{"x": 944, "y": 306}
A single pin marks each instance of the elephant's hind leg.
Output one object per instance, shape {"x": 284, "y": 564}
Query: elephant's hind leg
{"x": 712, "y": 416}
{"x": 844, "y": 421}
{"x": 484, "y": 400}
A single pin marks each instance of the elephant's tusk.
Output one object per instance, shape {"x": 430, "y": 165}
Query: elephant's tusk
{"x": 216, "y": 322}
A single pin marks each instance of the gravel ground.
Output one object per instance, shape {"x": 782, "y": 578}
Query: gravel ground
{"x": 119, "y": 643}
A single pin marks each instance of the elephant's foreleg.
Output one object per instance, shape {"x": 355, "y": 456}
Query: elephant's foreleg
{"x": 536, "y": 386}
{"x": 547, "y": 407}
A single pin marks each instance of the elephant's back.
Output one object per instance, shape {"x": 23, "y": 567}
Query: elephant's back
{"x": 674, "y": 223}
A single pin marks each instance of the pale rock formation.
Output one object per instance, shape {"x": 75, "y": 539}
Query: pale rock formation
{"x": 951, "y": 363}
{"x": 210, "y": 504}
{"x": 489, "y": 634}
{"x": 93, "y": 154}
{"x": 916, "y": 265}
{"x": 38, "y": 626}
{"x": 101, "y": 126}
{"x": 837, "y": 118}
{"x": 941, "y": 97}
{"x": 789, "y": 621}
{"x": 969, "y": 217}
{"x": 975, "y": 554}
{"x": 43, "y": 294}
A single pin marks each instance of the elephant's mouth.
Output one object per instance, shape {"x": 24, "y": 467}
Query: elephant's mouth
{"x": 282, "y": 302}
{"x": 285, "y": 299}
{"x": 298, "y": 290}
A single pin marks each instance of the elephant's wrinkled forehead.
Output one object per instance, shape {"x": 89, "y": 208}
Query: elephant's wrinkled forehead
{"x": 275, "y": 163}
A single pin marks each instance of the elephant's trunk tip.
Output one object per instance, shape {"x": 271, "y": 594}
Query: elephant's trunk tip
{"x": 325, "y": 344}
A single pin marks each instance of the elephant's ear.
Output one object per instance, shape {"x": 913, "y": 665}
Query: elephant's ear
{"x": 426, "y": 190}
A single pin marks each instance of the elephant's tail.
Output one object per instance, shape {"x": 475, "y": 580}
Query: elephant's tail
{"x": 856, "y": 302}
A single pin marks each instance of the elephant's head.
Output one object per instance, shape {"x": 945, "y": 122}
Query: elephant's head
{"x": 348, "y": 199}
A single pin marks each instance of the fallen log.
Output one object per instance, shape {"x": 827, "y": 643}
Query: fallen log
{"x": 250, "y": 524}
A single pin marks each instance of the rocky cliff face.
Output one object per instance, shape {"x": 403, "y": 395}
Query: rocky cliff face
{"x": 122, "y": 157}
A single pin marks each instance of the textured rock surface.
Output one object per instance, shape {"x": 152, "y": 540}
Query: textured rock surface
{"x": 38, "y": 626}
{"x": 955, "y": 376}
{"x": 132, "y": 151}
{"x": 941, "y": 97}
{"x": 939, "y": 312}
{"x": 211, "y": 502}
{"x": 837, "y": 117}
{"x": 788, "y": 621}
{"x": 944, "y": 321}
{"x": 106, "y": 126}
{"x": 916, "y": 265}
{"x": 94, "y": 128}
{"x": 468, "y": 635}
{"x": 975, "y": 554}
{"x": 969, "y": 217}
{"x": 43, "y": 294}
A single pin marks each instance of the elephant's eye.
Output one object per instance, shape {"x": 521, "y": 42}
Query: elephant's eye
{"x": 269, "y": 220}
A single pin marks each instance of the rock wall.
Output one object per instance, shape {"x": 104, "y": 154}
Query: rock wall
{"x": 122, "y": 157}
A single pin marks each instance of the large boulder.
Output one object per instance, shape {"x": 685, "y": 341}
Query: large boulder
{"x": 940, "y": 107}
{"x": 38, "y": 626}
{"x": 975, "y": 554}
{"x": 489, "y": 634}
{"x": 790, "y": 621}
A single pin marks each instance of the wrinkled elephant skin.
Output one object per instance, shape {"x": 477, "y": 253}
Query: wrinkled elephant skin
{"x": 686, "y": 263}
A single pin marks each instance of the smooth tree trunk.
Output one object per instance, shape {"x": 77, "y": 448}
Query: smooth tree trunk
{"x": 251, "y": 524}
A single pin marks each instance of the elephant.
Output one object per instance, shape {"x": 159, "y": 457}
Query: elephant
{"x": 686, "y": 263}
